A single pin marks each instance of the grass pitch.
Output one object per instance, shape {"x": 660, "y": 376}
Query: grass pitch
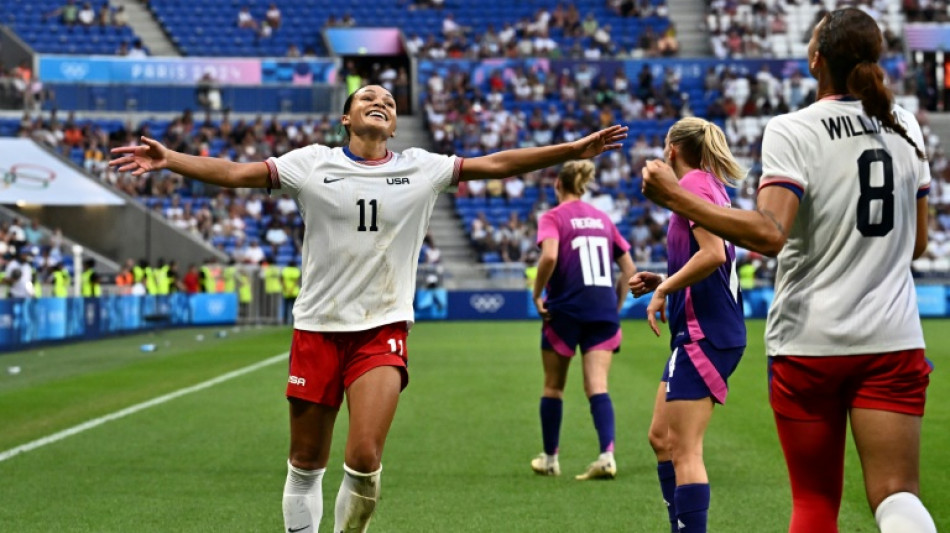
{"x": 457, "y": 456}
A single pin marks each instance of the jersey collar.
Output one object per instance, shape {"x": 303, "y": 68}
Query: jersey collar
{"x": 840, "y": 98}
{"x": 369, "y": 162}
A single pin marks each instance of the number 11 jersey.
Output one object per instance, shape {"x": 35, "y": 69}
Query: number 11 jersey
{"x": 365, "y": 221}
{"x": 843, "y": 284}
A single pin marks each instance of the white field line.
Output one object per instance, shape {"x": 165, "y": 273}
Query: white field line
{"x": 56, "y": 437}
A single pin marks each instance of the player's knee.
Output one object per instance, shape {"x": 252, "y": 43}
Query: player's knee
{"x": 554, "y": 390}
{"x": 659, "y": 440}
{"x": 364, "y": 458}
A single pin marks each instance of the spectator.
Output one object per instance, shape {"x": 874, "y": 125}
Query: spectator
{"x": 119, "y": 17}
{"x": 245, "y": 19}
{"x": 86, "y": 15}
{"x": 68, "y": 13}
{"x": 33, "y": 234}
{"x": 137, "y": 50}
{"x": 273, "y": 17}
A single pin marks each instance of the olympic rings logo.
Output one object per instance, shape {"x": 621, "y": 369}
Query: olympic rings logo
{"x": 27, "y": 176}
{"x": 487, "y": 303}
{"x": 74, "y": 71}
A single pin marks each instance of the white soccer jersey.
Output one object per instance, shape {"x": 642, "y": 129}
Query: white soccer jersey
{"x": 844, "y": 285}
{"x": 365, "y": 221}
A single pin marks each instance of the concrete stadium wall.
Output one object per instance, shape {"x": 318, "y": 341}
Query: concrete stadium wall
{"x": 123, "y": 232}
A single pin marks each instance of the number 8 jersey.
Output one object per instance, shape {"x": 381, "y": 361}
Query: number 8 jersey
{"x": 582, "y": 284}
{"x": 844, "y": 285}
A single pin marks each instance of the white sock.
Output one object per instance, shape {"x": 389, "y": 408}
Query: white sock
{"x": 903, "y": 512}
{"x": 356, "y": 500}
{"x": 303, "y": 499}
{"x": 607, "y": 456}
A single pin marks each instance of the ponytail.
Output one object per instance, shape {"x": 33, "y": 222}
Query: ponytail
{"x": 702, "y": 145}
{"x": 717, "y": 158}
{"x": 851, "y": 42}
{"x": 575, "y": 175}
{"x": 866, "y": 82}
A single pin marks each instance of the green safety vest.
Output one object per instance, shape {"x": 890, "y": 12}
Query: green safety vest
{"x": 210, "y": 284}
{"x": 162, "y": 285}
{"x": 291, "y": 278}
{"x": 747, "y": 276}
{"x": 89, "y": 288}
{"x": 230, "y": 281}
{"x": 60, "y": 284}
{"x": 244, "y": 288}
{"x": 272, "y": 283}
{"x": 138, "y": 274}
{"x": 530, "y": 273}
{"x": 151, "y": 284}
{"x": 37, "y": 286}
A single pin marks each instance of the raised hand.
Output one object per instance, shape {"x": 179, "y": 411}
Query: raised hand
{"x": 151, "y": 155}
{"x": 601, "y": 141}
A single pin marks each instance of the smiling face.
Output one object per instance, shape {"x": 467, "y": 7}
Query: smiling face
{"x": 370, "y": 112}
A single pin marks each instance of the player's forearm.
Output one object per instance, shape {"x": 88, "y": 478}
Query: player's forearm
{"x": 522, "y": 160}
{"x": 698, "y": 268}
{"x": 752, "y": 230}
{"x": 545, "y": 271}
{"x": 217, "y": 171}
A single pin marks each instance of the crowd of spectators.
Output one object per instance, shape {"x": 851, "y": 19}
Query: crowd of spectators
{"x": 463, "y": 119}
{"x": 72, "y": 14}
{"x": 560, "y": 32}
{"x": 755, "y": 28}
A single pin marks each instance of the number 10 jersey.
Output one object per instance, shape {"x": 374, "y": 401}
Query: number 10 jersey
{"x": 844, "y": 285}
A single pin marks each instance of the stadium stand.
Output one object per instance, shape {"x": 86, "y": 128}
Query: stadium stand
{"x": 470, "y": 106}
{"x": 211, "y": 28}
{"x": 60, "y": 27}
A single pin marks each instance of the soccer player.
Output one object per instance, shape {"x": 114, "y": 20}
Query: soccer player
{"x": 707, "y": 329}
{"x": 843, "y": 203}
{"x": 578, "y": 244}
{"x": 365, "y": 210}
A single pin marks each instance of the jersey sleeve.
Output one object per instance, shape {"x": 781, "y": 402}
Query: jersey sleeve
{"x": 290, "y": 171}
{"x": 441, "y": 171}
{"x": 621, "y": 246}
{"x": 783, "y": 162}
{"x": 695, "y": 183}
{"x": 547, "y": 227}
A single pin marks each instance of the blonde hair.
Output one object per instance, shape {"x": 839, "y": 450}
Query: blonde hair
{"x": 575, "y": 175}
{"x": 702, "y": 145}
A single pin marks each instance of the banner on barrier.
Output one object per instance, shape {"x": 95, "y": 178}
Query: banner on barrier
{"x": 186, "y": 71}
{"x": 24, "y": 322}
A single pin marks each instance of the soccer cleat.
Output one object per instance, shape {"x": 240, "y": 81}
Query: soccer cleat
{"x": 603, "y": 468}
{"x": 546, "y": 465}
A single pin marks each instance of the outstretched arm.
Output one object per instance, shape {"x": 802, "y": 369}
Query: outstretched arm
{"x": 764, "y": 230}
{"x": 152, "y": 155}
{"x": 520, "y": 160}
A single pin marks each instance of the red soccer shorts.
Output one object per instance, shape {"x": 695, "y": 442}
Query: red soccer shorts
{"x": 802, "y": 388}
{"x": 323, "y": 365}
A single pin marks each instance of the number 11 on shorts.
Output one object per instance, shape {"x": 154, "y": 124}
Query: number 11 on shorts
{"x": 396, "y": 346}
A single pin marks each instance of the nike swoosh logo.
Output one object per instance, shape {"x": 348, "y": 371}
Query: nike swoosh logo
{"x": 328, "y": 180}
{"x": 292, "y": 530}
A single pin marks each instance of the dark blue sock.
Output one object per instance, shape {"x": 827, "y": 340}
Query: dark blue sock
{"x": 602, "y": 409}
{"x": 692, "y": 507}
{"x": 551, "y": 409}
{"x": 667, "y": 475}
